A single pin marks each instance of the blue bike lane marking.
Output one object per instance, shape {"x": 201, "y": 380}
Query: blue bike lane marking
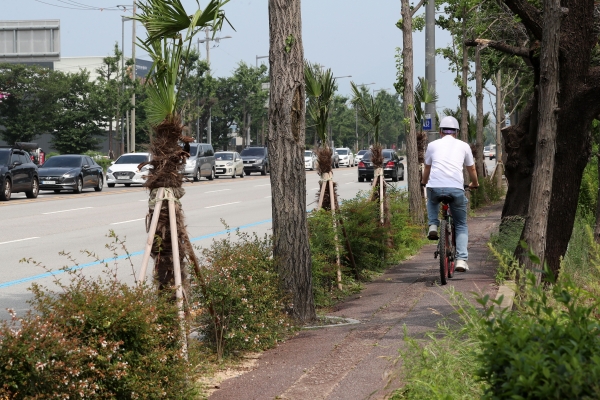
{"x": 124, "y": 256}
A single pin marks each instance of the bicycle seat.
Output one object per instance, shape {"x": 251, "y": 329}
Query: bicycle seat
{"x": 446, "y": 199}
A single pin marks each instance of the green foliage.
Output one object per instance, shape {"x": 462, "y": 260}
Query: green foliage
{"x": 546, "y": 350}
{"x": 96, "y": 338}
{"x": 368, "y": 108}
{"x": 241, "y": 306}
{"x": 487, "y": 193}
{"x": 374, "y": 246}
{"x": 320, "y": 88}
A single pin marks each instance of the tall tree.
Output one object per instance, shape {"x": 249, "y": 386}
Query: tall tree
{"x": 287, "y": 108}
{"x": 412, "y": 154}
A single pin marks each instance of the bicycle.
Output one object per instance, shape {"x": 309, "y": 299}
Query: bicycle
{"x": 446, "y": 248}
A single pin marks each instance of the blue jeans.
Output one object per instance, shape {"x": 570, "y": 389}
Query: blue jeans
{"x": 458, "y": 207}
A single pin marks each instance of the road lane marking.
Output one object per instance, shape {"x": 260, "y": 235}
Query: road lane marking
{"x": 62, "y": 211}
{"x": 20, "y": 240}
{"x": 349, "y": 183}
{"x": 215, "y": 191}
{"x": 314, "y": 189}
{"x": 131, "y": 220}
{"x": 125, "y": 256}
{"x": 268, "y": 197}
{"x": 220, "y": 205}
{"x": 349, "y": 174}
{"x": 268, "y": 184}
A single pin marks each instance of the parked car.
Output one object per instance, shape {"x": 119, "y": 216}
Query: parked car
{"x": 489, "y": 151}
{"x": 359, "y": 155}
{"x": 71, "y": 172}
{"x": 125, "y": 170}
{"x": 346, "y": 157}
{"x": 228, "y": 163}
{"x": 201, "y": 162}
{"x": 256, "y": 159}
{"x": 335, "y": 159}
{"x": 392, "y": 166}
{"x": 17, "y": 172}
{"x": 310, "y": 160}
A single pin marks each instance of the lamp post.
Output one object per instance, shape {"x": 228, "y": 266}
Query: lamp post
{"x": 356, "y": 114}
{"x": 207, "y": 40}
{"x": 258, "y": 58}
{"x": 123, "y": 20}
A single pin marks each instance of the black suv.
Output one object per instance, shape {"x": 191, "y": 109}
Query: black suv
{"x": 256, "y": 159}
{"x": 18, "y": 173}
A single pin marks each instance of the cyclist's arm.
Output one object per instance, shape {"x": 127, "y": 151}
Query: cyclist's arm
{"x": 425, "y": 176}
{"x": 473, "y": 176}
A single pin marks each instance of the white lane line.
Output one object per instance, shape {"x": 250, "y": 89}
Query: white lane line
{"x": 143, "y": 200}
{"x": 19, "y": 240}
{"x": 215, "y": 191}
{"x": 131, "y": 220}
{"x": 220, "y": 205}
{"x": 268, "y": 197}
{"x": 62, "y": 211}
{"x": 349, "y": 183}
{"x": 314, "y": 189}
{"x": 268, "y": 184}
{"x": 348, "y": 174}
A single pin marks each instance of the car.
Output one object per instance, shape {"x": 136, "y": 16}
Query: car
{"x": 359, "y": 155}
{"x": 392, "y": 166}
{"x": 125, "y": 170}
{"x": 71, "y": 172}
{"x": 346, "y": 157}
{"x": 201, "y": 162}
{"x": 335, "y": 159}
{"x": 256, "y": 159}
{"x": 17, "y": 172}
{"x": 228, "y": 163}
{"x": 489, "y": 151}
{"x": 310, "y": 160}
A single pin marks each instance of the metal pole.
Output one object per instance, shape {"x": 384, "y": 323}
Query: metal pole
{"x": 198, "y": 104}
{"x": 356, "y": 126}
{"x": 208, "y": 125}
{"x": 122, "y": 80}
{"x": 430, "y": 61}
{"x": 133, "y": 96}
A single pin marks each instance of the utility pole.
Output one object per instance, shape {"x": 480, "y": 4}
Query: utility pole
{"x": 132, "y": 149}
{"x": 123, "y": 19}
{"x": 430, "y": 62}
{"x": 207, "y": 41}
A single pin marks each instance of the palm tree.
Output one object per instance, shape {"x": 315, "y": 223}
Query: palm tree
{"x": 424, "y": 94}
{"x": 170, "y": 31}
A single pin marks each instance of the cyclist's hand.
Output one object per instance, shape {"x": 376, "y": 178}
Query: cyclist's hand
{"x": 473, "y": 185}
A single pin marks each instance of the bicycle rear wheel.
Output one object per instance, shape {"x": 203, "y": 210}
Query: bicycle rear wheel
{"x": 443, "y": 249}
{"x": 451, "y": 250}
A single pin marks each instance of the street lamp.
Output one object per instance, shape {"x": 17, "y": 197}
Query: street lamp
{"x": 381, "y": 90}
{"x": 356, "y": 114}
{"x": 258, "y": 58}
{"x": 207, "y": 40}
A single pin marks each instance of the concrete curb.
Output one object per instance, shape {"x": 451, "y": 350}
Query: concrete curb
{"x": 348, "y": 321}
{"x": 508, "y": 291}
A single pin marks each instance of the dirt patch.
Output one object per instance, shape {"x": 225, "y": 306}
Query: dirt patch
{"x": 213, "y": 383}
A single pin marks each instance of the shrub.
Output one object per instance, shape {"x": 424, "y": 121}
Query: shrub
{"x": 488, "y": 192}
{"x": 240, "y": 304}
{"x": 98, "y": 338}
{"x": 546, "y": 350}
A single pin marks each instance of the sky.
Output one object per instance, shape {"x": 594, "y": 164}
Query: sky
{"x": 352, "y": 37}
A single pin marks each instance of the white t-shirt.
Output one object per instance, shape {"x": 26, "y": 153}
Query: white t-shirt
{"x": 446, "y": 157}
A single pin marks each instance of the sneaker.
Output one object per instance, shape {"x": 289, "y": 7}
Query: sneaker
{"x": 433, "y": 233}
{"x": 461, "y": 266}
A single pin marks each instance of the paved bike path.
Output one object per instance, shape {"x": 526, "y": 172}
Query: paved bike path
{"x": 361, "y": 361}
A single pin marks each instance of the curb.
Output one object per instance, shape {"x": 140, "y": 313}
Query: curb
{"x": 508, "y": 291}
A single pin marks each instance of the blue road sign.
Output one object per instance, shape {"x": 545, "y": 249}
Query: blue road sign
{"x": 427, "y": 122}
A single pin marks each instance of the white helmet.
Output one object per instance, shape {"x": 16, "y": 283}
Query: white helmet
{"x": 449, "y": 123}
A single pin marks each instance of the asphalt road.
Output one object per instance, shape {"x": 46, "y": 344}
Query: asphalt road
{"x": 53, "y": 223}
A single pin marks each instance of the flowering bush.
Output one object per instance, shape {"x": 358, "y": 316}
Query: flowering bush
{"x": 96, "y": 339}
{"x": 241, "y": 306}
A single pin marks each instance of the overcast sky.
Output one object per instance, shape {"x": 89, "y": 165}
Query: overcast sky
{"x": 351, "y": 37}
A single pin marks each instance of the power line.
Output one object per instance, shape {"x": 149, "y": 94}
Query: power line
{"x": 79, "y": 6}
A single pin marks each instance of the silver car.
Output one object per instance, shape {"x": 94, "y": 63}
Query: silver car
{"x": 346, "y": 157}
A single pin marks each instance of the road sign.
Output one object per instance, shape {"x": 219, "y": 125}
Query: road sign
{"x": 427, "y": 122}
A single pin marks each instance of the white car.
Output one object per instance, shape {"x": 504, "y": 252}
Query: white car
{"x": 489, "y": 151}
{"x": 346, "y": 157}
{"x": 125, "y": 170}
{"x": 359, "y": 156}
{"x": 310, "y": 160}
{"x": 228, "y": 163}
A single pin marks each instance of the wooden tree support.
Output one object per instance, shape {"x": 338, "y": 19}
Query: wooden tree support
{"x": 327, "y": 185}
{"x": 161, "y": 195}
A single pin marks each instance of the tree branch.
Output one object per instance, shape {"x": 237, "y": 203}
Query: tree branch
{"x": 503, "y": 47}
{"x": 416, "y": 8}
{"x": 529, "y": 14}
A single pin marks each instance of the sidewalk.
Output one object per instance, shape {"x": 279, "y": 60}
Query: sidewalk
{"x": 357, "y": 361}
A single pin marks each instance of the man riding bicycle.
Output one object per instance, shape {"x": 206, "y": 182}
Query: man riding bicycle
{"x": 443, "y": 176}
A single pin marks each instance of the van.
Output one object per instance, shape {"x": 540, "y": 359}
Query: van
{"x": 201, "y": 162}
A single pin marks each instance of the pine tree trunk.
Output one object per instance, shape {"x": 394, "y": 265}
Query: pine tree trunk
{"x": 479, "y": 99}
{"x": 541, "y": 186}
{"x": 412, "y": 153}
{"x": 464, "y": 112}
{"x": 286, "y": 137}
